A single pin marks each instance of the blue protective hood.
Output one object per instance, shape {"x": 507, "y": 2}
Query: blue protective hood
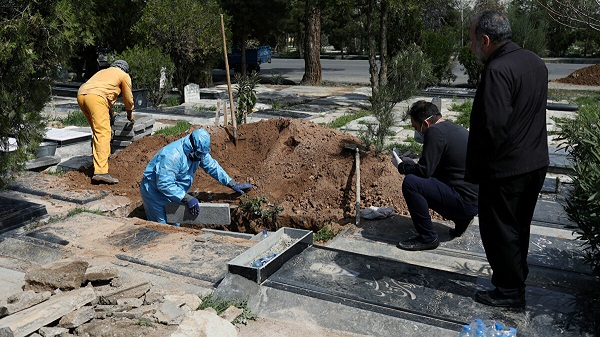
{"x": 200, "y": 143}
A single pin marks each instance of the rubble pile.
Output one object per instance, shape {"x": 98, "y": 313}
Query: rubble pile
{"x": 70, "y": 298}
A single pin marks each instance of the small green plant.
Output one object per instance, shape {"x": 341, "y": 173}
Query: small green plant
{"x": 409, "y": 144}
{"x": 171, "y": 101}
{"x": 246, "y": 95}
{"x": 277, "y": 105}
{"x": 326, "y": 233}
{"x": 260, "y": 207}
{"x": 57, "y": 172}
{"x": 341, "y": 121}
{"x": 75, "y": 118}
{"x": 464, "y": 115}
{"x": 143, "y": 322}
{"x": 276, "y": 78}
{"x": 220, "y": 305}
{"x": 473, "y": 68}
{"x": 177, "y": 129}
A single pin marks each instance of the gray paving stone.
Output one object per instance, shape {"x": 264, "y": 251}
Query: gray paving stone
{"x": 210, "y": 214}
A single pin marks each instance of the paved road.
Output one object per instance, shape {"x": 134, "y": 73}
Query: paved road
{"x": 357, "y": 71}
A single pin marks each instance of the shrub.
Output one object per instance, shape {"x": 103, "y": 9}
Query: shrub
{"x": 581, "y": 137}
{"x": 409, "y": 71}
{"x": 150, "y": 69}
{"x": 439, "y": 47}
{"x": 247, "y": 97}
{"x": 464, "y": 116}
{"x": 177, "y": 129}
{"x": 473, "y": 68}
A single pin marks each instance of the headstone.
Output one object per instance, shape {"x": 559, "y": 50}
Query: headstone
{"x": 16, "y": 213}
{"x": 210, "y": 214}
{"x": 191, "y": 93}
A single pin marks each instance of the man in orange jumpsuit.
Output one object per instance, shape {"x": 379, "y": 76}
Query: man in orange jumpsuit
{"x": 96, "y": 98}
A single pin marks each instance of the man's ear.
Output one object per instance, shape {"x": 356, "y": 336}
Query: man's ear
{"x": 486, "y": 41}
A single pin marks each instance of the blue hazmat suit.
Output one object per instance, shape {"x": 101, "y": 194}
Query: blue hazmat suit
{"x": 170, "y": 174}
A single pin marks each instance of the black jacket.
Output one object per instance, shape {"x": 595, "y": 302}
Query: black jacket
{"x": 443, "y": 158}
{"x": 507, "y": 136}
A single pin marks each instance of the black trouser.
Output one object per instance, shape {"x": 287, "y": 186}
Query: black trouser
{"x": 505, "y": 211}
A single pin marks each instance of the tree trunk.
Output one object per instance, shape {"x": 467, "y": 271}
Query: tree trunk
{"x": 383, "y": 55}
{"x": 312, "y": 50}
{"x": 244, "y": 65}
{"x": 372, "y": 47}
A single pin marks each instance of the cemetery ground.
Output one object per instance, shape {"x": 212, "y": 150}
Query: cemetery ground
{"x": 356, "y": 283}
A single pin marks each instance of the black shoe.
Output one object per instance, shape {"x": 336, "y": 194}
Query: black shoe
{"x": 104, "y": 178}
{"x": 416, "y": 243}
{"x": 495, "y": 298}
{"x": 460, "y": 226}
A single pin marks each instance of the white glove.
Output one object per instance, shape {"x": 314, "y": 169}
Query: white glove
{"x": 395, "y": 159}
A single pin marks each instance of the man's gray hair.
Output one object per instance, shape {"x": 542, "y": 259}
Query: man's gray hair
{"x": 121, "y": 64}
{"x": 495, "y": 25}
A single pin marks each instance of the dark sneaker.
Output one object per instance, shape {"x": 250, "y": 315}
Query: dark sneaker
{"x": 495, "y": 298}
{"x": 416, "y": 243}
{"x": 460, "y": 226}
{"x": 104, "y": 179}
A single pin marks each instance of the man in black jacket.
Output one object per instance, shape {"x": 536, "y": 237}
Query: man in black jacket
{"x": 437, "y": 180}
{"x": 507, "y": 152}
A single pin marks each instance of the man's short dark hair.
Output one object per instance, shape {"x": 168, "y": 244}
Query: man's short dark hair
{"x": 495, "y": 25}
{"x": 421, "y": 110}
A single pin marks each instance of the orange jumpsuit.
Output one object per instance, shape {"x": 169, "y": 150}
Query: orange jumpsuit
{"x": 96, "y": 98}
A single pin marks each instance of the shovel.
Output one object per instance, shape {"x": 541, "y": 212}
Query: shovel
{"x": 356, "y": 149}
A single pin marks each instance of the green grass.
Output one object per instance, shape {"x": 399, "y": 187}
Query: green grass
{"x": 56, "y": 218}
{"x": 569, "y": 95}
{"x": 220, "y": 305}
{"x": 341, "y": 121}
{"x": 76, "y": 118}
{"x": 409, "y": 144}
{"x": 325, "y": 234}
{"x": 464, "y": 112}
{"x": 177, "y": 129}
{"x": 172, "y": 101}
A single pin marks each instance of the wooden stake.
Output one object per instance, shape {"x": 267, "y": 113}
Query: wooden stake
{"x": 357, "y": 187}
{"x": 233, "y": 121}
{"x": 225, "y": 114}
{"x": 218, "y": 113}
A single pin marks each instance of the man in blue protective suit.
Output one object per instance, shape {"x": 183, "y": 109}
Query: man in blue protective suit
{"x": 170, "y": 174}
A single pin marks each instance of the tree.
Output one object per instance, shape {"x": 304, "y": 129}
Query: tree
{"x": 312, "y": 44}
{"x": 528, "y": 27}
{"x": 575, "y": 14}
{"x": 189, "y": 31}
{"x": 36, "y": 37}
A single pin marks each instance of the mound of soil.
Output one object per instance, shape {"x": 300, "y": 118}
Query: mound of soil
{"x": 584, "y": 76}
{"x": 303, "y": 176}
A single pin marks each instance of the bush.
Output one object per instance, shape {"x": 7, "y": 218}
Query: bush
{"x": 473, "y": 68}
{"x": 581, "y": 137}
{"x": 409, "y": 71}
{"x": 464, "y": 116}
{"x": 439, "y": 47}
{"x": 246, "y": 92}
{"x": 146, "y": 67}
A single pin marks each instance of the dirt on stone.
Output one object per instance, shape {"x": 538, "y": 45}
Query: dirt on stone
{"x": 584, "y": 76}
{"x": 303, "y": 175}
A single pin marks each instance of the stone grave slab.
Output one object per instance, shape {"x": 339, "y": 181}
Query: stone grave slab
{"x": 77, "y": 163}
{"x": 546, "y": 251}
{"x": 191, "y": 93}
{"x": 15, "y": 213}
{"x": 550, "y": 185}
{"x": 42, "y": 163}
{"x": 48, "y": 185}
{"x": 205, "y": 261}
{"x": 66, "y": 136}
{"x": 417, "y": 293}
{"x": 559, "y": 160}
{"x": 552, "y": 212}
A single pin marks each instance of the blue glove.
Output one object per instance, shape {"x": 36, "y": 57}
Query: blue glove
{"x": 192, "y": 204}
{"x": 239, "y": 187}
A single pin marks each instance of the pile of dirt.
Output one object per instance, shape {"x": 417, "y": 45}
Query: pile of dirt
{"x": 295, "y": 164}
{"x": 584, "y": 76}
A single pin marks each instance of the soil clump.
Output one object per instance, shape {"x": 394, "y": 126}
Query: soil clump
{"x": 584, "y": 76}
{"x": 302, "y": 175}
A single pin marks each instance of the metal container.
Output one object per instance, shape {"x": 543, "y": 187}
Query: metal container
{"x": 242, "y": 264}
{"x": 46, "y": 149}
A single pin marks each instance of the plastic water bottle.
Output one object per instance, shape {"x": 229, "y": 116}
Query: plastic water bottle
{"x": 512, "y": 332}
{"x": 478, "y": 324}
{"x": 479, "y": 332}
{"x": 262, "y": 261}
{"x": 497, "y": 330}
{"x": 465, "y": 332}
{"x": 264, "y": 235}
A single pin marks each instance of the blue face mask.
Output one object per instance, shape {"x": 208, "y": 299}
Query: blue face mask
{"x": 419, "y": 137}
